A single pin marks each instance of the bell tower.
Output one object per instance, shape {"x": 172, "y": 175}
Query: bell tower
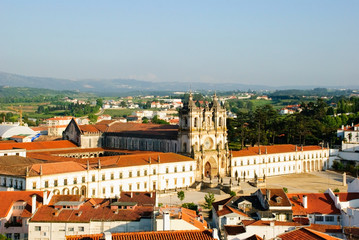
{"x": 203, "y": 136}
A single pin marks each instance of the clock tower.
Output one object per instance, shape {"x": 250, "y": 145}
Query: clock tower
{"x": 203, "y": 136}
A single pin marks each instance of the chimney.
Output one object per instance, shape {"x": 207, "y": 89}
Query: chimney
{"x": 149, "y": 160}
{"x": 131, "y": 194}
{"x": 88, "y": 165}
{"x": 268, "y": 194}
{"x": 40, "y": 169}
{"x": 266, "y": 150}
{"x": 107, "y": 236}
{"x": 220, "y": 207}
{"x": 166, "y": 221}
{"x": 33, "y": 204}
{"x": 337, "y": 199}
{"x": 296, "y": 148}
{"x": 259, "y": 150}
{"x": 305, "y": 201}
{"x": 99, "y": 164}
{"x": 158, "y": 159}
{"x": 272, "y": 223}
{"x": 215, "y": 233}
{"x": 44, "y": 198}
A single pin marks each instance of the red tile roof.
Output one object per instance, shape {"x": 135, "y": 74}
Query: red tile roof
{"x": 56, "y": 168}
{"x": 226, "y": 209}
{"x": 160, "y": 235}
{"x": 267, "y": 223}
{"x": 320, "y": 203}
{"x": 276, "y": 193}
{"x": 37, "y": 146}
{"x": 325, "y": 228}
{"x": 273, "y": 149}
{"x": 345, "y": 196}
{"x": 253, "y": 237}
{"x": 307, "y": 234}
{"x": 96, "y": 209}
{"x": 8, "y": 198}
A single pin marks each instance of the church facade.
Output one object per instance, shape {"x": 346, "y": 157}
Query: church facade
{"x": 201, "y": 134}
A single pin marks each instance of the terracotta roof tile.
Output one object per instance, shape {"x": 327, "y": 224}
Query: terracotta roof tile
{"x": 325, "y": 228}
{"x": 16, "y": 165}
{"x": 304, "y": 233}
{"x": 267, "y": 223}
{"x": 276, "y": 193}
{"x": 56, "y": 168}
{"x": 8, "y": 198}
{"x": 253, "y": 237}
{"x": 320, "y": 203}
{"x": 39, "y": 145}
{"x": 273, "y": 149}
{"x": 160, "y": 235}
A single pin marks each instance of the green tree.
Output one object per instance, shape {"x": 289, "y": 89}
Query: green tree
{"x": 209, "y": 199}
{"x": 92, "y": 117}
{"x": 99, "y": 102}
{"x": 180, "y": 195}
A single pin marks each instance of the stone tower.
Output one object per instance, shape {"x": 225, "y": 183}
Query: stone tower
{"x": 203, "y": 135}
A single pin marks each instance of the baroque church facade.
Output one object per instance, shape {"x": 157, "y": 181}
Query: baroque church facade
{"x": 201, "y": 134}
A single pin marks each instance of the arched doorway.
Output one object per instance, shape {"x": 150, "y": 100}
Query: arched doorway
{"x": 207, "y": 170}
{"x": 83, "y": 190}
{"x": 75, "y": 191}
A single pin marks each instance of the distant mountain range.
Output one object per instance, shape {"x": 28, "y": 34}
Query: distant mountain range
{"x": 126, "y": 85}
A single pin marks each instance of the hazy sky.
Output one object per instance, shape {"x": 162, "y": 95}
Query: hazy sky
{"x": 252, "y": 42}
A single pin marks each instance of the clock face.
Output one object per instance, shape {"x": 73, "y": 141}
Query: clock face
{"x": 208, "y": 143}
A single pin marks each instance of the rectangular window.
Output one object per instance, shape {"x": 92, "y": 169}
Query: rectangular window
{"x": 111, "y": 189}
{"x": 56, "y": 183}
{"x": 138, "y": 173}
{"x": 75, "y": 180}
{"x": 34, "y": 185}
{"x": 103, "y": 177}
{"x": 112, "y": 176}
{"x": 130, "y": 187}
{"x": 26, "y": 236}
{"x": 318, "y": 218}
{"x": 166, "y": 170}
{"x": 46, "y": 184}
{"x": 191, "y": 168}
{"x": 81, "y": 229}
{"x": 103, "y": 190}
{"x": 121, "y": 175}
{"x": 154, "y": 171}
{"x": 93, "y": 192}
{"x": 183, "y": 169}
{"x": 145, "y": 185}
{"x": 71, "y": 229}
{"x": 329, "y": 218}
{"x": 9, "y": 235}
{"x": 175, "y": 169}
{"x": 65, "y": 182}
{"x": 93, "y": 178}
{"x": 120, "y": 188}
{"x": 145, "y": 172}
{"x": 130, "y": 174}
{"x": 37, "y": 228}
{"x": 138, "y": 186}
{"x": 83, "y": 179}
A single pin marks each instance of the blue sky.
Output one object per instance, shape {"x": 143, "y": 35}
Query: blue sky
{"x": 250, "y": 42}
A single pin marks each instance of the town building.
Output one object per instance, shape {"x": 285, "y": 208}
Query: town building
{"x": 276, "y": 160}
{"x": 16, "y": 209}
{"x": 163, "y": 235}
{"x": 76, "y": 215}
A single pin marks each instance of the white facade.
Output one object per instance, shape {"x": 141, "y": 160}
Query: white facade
{"x": 109, "y": 182}
{"x": 279, "y": 163}
{"x": 58, "y": 231}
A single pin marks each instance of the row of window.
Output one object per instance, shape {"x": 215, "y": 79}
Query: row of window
{"x": 321, "y": 218}
{"x": 69, "y": 229}
{"x": 274, "y": 159}
{"x": 16, "y": 236}
{"x": 112, "y": 176}
{"x": 17, "y": 184}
